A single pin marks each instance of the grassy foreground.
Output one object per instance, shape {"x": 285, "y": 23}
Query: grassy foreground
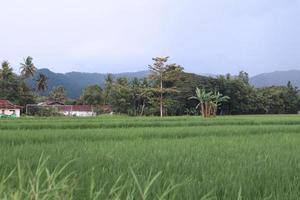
{"x": 116, "y": 157}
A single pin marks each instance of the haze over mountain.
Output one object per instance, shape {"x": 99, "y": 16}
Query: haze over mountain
{"x": 75, "y": 82}
{"x": 276, "y": 78}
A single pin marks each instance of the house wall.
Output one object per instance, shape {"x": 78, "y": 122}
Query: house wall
{"x": 10, "y": 112}
{"x": 78, "y": 113}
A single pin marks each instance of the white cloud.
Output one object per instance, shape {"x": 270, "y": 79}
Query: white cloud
{"x": 123, "y": 35}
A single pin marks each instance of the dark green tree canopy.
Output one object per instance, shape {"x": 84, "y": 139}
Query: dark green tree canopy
{"x": 165, "y": 91}
{"x": 6, "y": 71}
{"x": 163, "y": 75}
{"x": 92, "y": 95}
{"x": 58, "y": 94}
{"x": 41, "y": 83}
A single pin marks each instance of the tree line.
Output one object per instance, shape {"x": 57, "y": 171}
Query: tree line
{"x": 168, "y": 90}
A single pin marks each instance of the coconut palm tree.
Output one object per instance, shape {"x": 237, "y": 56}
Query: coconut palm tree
{"x": 6, "y": 71}
{"x": 42, "y": 83}
{"x": 27, "y": 68}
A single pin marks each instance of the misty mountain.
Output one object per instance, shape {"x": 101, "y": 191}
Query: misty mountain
{"x": 75, "y": 82}
{"x": 276, "y": 78}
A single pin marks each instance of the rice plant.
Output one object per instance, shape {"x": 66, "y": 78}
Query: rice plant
{"x": 118, "y": 157}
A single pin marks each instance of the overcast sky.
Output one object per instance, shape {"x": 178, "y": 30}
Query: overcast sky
{"x": 204, "y": 36}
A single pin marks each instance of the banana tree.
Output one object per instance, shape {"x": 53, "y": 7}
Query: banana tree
{"x": 204, "y": 98}
{"x": 208, "y": 101}
{"x": 218, "y": 98}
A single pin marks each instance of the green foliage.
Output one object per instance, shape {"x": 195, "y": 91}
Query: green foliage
{"x": 37, "y": 183}
{"x": 120, "y": 96}
{"x": 6, "y": 73}
{"x": 163, "y": 76}
{"x": 245, "y": 99}
{"x": 13, "y": 88}
{"x": 58, "y": 94}
{"x": 145, "y": 97}
{"x": 119, "y": 157}
{"x": 165, "y": 91}
{"x": 92, "y": 95}
{"x": 107, "y": 89}
{"x": 41, "y": 83}
{"x": 75, "y": 82}
{"x": 43, "y": 111}
{"x": 278, "y": 99}
{"x": 208, "y": 101}
{"x": 27, "y": 68}
{"x": 131, "y": 97}
{"x": 42, "y": 183}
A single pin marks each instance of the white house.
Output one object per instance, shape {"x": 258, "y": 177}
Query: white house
{"x": 77, "y": 110}
{"x": 8, "y": 109}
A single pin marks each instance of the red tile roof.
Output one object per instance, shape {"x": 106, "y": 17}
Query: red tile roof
{"x": 5, "y": 104}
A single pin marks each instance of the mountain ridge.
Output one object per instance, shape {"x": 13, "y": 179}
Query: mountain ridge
{"x": 75, "y": 82}
{"x": 276, "y": 78}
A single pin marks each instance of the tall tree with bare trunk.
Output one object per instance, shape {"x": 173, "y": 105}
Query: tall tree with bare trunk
{"x": 161, "y": 72}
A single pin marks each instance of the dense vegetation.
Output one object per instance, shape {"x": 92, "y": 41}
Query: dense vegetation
{"x": 166, "y": 91}
{"x": 75, "y": 82}
{"x": 237, "y": 157}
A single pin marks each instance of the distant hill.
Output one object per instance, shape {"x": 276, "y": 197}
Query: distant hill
{"x": 276, "y": 78}
{"x": 75, "y": 82}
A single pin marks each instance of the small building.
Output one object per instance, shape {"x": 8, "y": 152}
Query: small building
{"x": 77, "y": 110}
{"x": 8, "y": 109}
{"x": 51, "y": 103}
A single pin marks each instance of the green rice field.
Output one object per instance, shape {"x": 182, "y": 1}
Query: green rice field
{"x": 119, "y": 157}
